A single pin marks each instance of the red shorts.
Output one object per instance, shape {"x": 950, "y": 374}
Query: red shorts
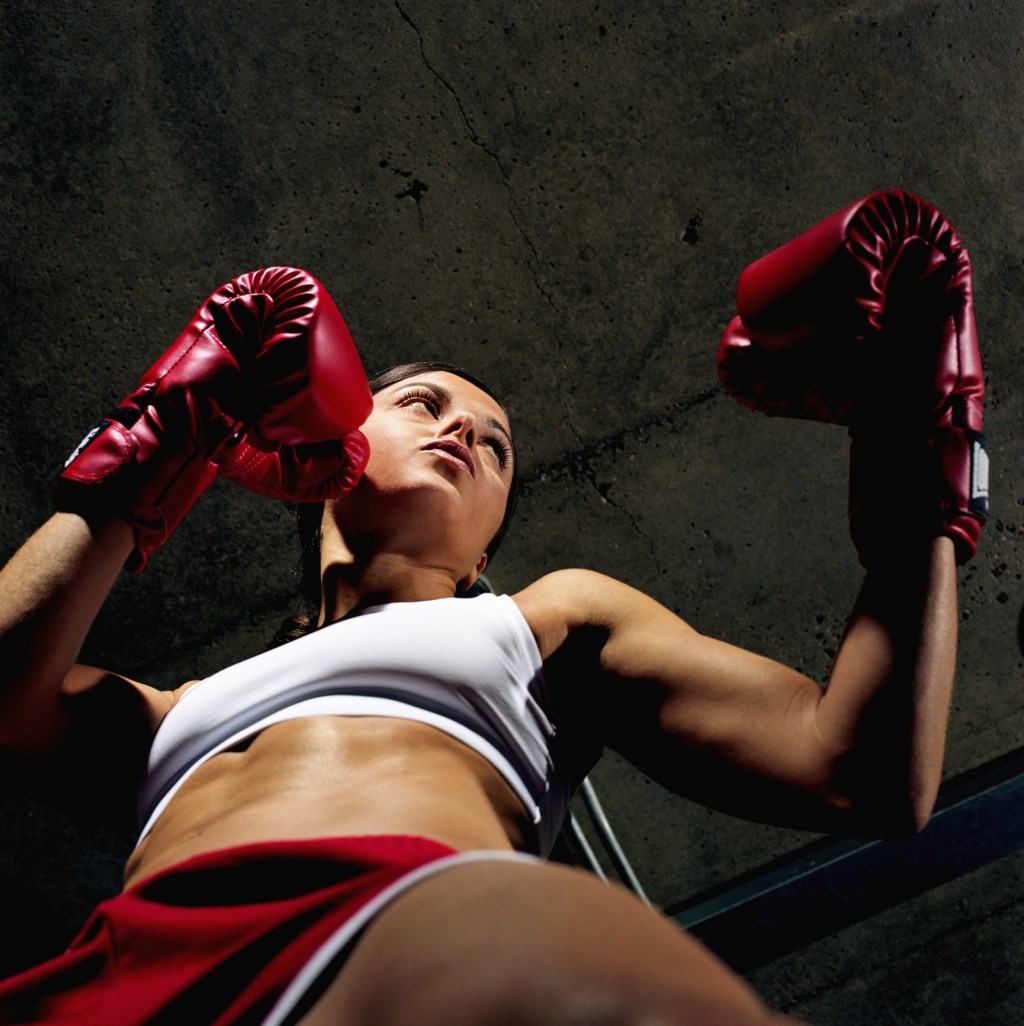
{"x": 221, "y": 937}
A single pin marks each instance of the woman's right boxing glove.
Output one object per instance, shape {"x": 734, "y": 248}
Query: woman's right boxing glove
{"x": 867, "y": 320}
{"x": 264, "y": 386}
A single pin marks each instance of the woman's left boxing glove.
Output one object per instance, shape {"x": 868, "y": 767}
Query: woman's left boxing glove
{"x": 867, "y": 320}
{"x": 264, "y": 386}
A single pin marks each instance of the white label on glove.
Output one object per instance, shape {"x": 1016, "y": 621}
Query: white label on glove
{"x": 979, "y": 472}
{"x": 84, "y": 442}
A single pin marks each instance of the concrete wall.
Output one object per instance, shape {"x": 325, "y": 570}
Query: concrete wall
{"x": 560, "y": 197}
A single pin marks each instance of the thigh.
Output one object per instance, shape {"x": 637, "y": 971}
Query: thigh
{"x": 500, "y": 943}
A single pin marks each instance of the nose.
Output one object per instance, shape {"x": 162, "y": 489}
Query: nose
{"x": 462, "y": 425}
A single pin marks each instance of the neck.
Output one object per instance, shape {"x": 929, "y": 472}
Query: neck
{"x": 352, "y": 579}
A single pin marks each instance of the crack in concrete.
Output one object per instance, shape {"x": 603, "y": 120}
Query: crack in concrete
{"x": 591, "y": 476}
{"x": 580, "y": 465}
{"x": 573, "y": 464}
{"x": 475, "y": 138}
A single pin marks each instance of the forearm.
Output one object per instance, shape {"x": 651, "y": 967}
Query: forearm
{"x": 50, "y": 593}
{"x": 886, "y": 708}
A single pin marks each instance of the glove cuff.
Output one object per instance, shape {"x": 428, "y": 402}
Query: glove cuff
{"x": 130, "y": 466}
{"x": 935, "y": 484}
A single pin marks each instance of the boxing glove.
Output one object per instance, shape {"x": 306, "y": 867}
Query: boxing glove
{"x": 264, "y": 386}
{"x": 867, "y": 320}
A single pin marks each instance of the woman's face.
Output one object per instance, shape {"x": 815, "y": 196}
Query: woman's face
{"x": 440, "y": 470}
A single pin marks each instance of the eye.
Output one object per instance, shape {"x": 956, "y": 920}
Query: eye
{"x": 421, "y": 398}
{"x": 501, "y": 449}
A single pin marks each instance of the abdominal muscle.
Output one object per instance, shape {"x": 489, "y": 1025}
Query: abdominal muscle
{"x": 335, "y": 776}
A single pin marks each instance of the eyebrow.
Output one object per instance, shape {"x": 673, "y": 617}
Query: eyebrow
{"x": 445, "y": 396}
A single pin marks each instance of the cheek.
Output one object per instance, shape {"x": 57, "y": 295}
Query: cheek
{"x": 381, "y": 436}
{"x": 497, "y": 506}
{"x": 373, "y": 425}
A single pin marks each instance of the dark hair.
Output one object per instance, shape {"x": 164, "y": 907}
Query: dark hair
{"x": 310, "y": 514}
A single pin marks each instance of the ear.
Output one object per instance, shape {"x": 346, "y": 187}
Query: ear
{"x": 470, "y": 579}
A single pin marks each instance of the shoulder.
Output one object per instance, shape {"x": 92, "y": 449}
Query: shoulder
{"x": 567, "y": 601}
{"x": 560, "y": 602}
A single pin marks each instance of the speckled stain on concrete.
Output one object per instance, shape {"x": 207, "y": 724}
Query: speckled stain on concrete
{"x": 559, "y": 197}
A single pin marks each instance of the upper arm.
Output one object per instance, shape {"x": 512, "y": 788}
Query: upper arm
{"x": 88, "y": 691}
{"x": 730, "y": 728}
{"x": 86, "y": 749}
{"x": 88, "y": 701}
{"x": 709, "y": 720}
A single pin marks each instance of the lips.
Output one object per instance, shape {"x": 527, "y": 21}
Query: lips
{"x": 450, "y": 449}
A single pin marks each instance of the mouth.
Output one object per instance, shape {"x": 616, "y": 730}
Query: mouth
{"x": 455, "y": 453}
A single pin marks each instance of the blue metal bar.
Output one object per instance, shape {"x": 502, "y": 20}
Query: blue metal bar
{"x": 831, "y": 884}
{"x": 583, "y": 852}
{"x": 604, "y": 831}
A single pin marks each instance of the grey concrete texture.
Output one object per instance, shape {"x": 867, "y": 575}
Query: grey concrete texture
{"x": 559, "y": 197}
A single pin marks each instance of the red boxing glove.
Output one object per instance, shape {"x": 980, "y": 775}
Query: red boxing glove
{"x": 867, "y": 320}
{"x": 264, "y": 386}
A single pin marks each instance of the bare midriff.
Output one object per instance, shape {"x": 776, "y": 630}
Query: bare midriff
{"x": 336, "y": 776}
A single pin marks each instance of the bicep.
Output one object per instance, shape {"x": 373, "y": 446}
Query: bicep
{"x": 711, "y": 696}
{"x": 716, "y": 723}
{"x": 711, "y": 721}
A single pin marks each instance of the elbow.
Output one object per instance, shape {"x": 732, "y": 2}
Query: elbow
{"x": 887, "y": 799}
{"x": 882, "y": 805}
{"x": 921, "y": 814}
{"x": 908, "y": 823}
{"x": 912, "y": 806}
{"x": 904, "y": 815}
{"x": 890, "y": 817}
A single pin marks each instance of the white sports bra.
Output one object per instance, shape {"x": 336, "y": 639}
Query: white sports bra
{"x": 469, "y": 667}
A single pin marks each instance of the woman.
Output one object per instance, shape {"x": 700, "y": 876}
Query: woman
{"x": 366, "y": 852}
